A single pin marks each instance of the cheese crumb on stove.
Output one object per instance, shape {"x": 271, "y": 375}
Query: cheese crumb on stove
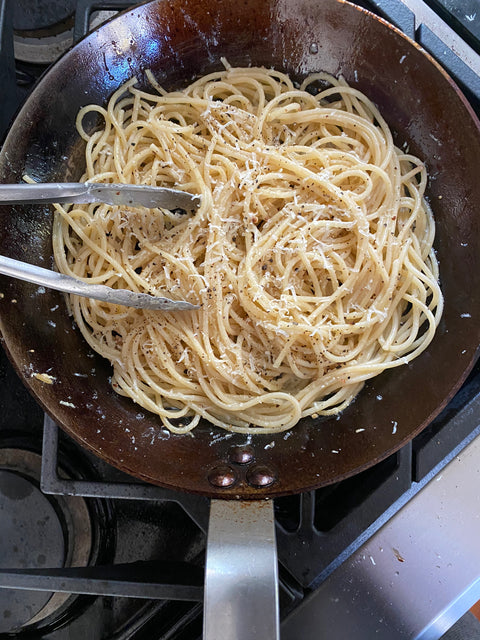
{"x": 44, "y": 377}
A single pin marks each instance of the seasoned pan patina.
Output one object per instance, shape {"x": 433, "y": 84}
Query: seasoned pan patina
{"x": 178, "y": 40}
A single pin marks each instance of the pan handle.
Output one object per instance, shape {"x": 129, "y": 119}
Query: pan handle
{"x": 241, "y": 580}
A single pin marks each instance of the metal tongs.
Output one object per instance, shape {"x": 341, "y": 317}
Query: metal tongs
{"x": 132, "y": 195}
{"x": 81, "y": 193}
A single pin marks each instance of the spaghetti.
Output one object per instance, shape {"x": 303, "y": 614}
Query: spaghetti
{"x": 311, "y": 255}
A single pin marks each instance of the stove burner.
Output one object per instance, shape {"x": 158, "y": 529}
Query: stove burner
{"x": 38, "y": 531}
{"x": 45, "y": 45}
{"x": 32, "y": 536}
{"x": 41, "y": 14}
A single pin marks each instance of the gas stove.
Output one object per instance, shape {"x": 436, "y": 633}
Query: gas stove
{"x": 88, "y": 551}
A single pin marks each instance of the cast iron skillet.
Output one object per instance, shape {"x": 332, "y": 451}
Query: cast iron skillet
{"x": 179, "y": 40}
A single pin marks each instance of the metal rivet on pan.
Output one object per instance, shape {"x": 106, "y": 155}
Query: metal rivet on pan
{"x": 242, "y": 454}
{"x": 261, "y": 476}
{"x": 222, "y": 476}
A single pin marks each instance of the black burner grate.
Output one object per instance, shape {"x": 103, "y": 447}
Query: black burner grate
{"x": 123, "y": 488}
{"x": 85, "y": 9}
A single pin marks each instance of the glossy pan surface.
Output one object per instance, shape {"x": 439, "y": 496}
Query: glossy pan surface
{"x": 179, "y": 40}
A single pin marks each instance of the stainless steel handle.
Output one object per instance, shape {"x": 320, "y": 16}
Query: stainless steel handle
{"x": 241, "y": 582}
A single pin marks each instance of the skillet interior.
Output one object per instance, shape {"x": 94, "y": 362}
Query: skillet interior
{"x": 178, "y": 40}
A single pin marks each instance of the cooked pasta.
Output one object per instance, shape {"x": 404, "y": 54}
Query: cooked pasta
{"x": 311, "y": 256}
